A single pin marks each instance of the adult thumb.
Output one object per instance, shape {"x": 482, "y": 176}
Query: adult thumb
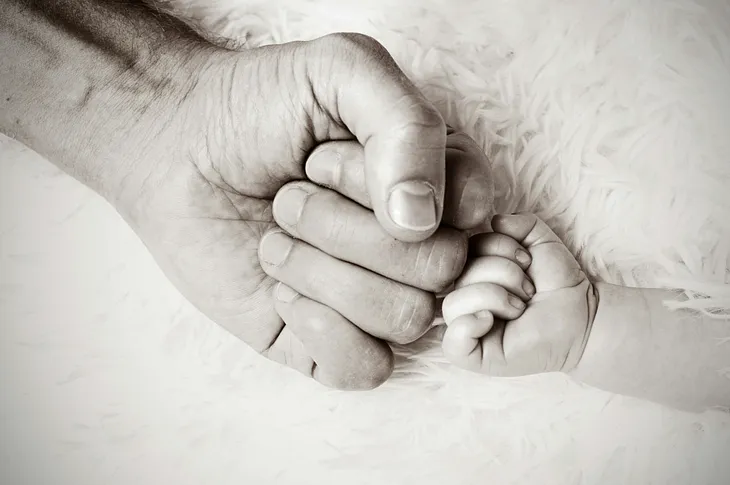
{"x": 356, "y": 81}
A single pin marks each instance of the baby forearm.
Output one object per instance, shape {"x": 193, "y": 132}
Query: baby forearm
{"x": 638, "y": 347}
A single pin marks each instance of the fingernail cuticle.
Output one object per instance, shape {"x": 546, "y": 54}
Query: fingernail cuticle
{"x": 412, "y": 205}
{"x": 289, "y": 205}
{"x": 275, "y": 248}
{"x": 516, "y": 302}
{"x": 285, "y": 294}
{"x": 528, "y": 288}
{"x": 523, "y": 257}
{"x": 324, "y": 168}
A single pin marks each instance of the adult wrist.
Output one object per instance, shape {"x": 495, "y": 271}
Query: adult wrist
{"x": 87, "y": 84}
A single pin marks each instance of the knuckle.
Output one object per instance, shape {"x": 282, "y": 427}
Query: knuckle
{"x": 408, "y": 313}
{"x": 355, "y": 41}
{"x": 480, "y": 212}
{"x": 459, "y": 140}
{"x": 509, "y": 272}
{"x": 373, "y": 368}
{"x": 501, "y": 265}
{"x": 451, "y": 308}
{"x": 501, "y": 244}
{"x": 337, "y": 228}
{"x": 531, "y": 219}
{"x": 355, "y": 49}
{"x": 375, "y": 372}
{"x": 416, "y": 115}
{"x": 445, "y": 261}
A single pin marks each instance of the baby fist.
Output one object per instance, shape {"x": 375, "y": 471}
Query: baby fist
{"x": 522, "y": 306}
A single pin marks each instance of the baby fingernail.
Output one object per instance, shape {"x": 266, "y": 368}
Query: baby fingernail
{"x": 275, "y": 248}
{"x": 528, "y": 288}
{"x": 324, "y": 168}
{"x": 516, "y": 302}
{"x": 285, "y": 294}
{"x": 523, "y": 257}
{"x": 412, "y": 205}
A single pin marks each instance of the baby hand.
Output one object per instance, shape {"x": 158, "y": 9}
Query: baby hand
{"x": 522, "y": 305}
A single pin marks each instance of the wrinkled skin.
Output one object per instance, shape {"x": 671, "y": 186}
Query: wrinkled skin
{"x": 241, "y": 130}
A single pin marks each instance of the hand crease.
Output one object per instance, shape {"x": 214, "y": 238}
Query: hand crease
{"x": 216, "y": 188}
{"x": 267, "y": 348}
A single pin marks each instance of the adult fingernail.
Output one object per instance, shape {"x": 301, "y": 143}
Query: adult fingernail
{"x": 325, "y": 168}
{"x": 528, "y": 288}
{"x": 516, "y": 302}
{"x": 285, "y": 294}
{"x": 275, "y": 248}
{"x": 289, "y": 204}
{"x": 523, "y": 257}
{"x": 412, "y": 205}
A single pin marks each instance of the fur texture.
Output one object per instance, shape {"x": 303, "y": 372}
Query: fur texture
{"x": 608, "y": 118}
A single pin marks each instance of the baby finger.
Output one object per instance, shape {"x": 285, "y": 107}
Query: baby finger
{"x": 496, "y": 244}
{"x": 462, "y": 340}
{"x": 478, "y": 297}
{"x": 498, "y": 270}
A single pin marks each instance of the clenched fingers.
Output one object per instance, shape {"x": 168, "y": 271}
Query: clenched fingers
{"x": 469, "y": 195}
{"x": 349, "y": 232}
{"x": 556, "y": 267}
{"x": 321, "y": 343}
{"x": 379, "y": 306}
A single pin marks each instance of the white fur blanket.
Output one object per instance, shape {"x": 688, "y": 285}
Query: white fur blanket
{"x": 609, "y": 118}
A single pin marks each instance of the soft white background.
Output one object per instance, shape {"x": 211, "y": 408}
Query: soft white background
{"x": 608, "y": 117}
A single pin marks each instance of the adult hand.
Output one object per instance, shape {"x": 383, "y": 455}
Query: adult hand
{"x": 345, "y": 281}
{"x": 190, "y": 142}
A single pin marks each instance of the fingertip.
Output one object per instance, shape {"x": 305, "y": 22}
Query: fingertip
{"x": 274, "y": 249}
{"x": 405, "y": 172}
{"x": 285, "y": 294}
{"x": 528, "y": 287}
{"x": 502, "y": 245}
{"x": 340, "y": 166}
{"x": 462, "y": 340}
{"x": 344, "y": 357}
{"x": 504, "y": 224}
{"x": 324, "y": 164}
{"x": 469, "y": 200}
{"x": 482, "y": 296}
{"x": 414, "y": 209}
{"x": 516, "y": 302}
{"x": 472, "y": 209}
{"x": 476, "y": 325}
{"x": 525, "y": 227}
{"x": 523, "y": 258}
{"x": 452, "y": 307}
{"x": 366, "y": 379}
